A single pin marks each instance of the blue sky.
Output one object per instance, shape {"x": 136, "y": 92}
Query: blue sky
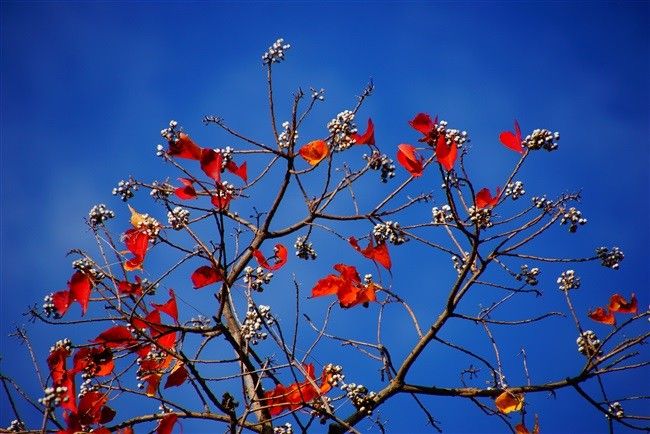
{"x": 86, "y": 87}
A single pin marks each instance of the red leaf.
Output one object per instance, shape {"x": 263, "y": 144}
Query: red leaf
{"x": 80, "y": 286}
{"x": 446, "y": 154}
{"x": 618, "y": 304}
{"x": 512, "y": 140}
{"x": 484, "y": 198}
{"x": 240, "y": 171}
{"x": 170, "y": 307}
{"x": 177, "y": 377}
{"x": 327, "y": 286}
{"x": 422, "y": 122}
{"x": 601, "y": 315}
{"x": 152, "y": 318}
{"x": 280, "y": 256}
{"x": 61, "y": 301}
{"x": 348, "y": 287}
{"x": 125, "y": 287}
{"x": 184, "y": 147}
{"x": 137, "y": 242}
{"x": 115, "y": 337}
{"x": 166, "y": 424}
{"x": 204, "y": 276}
{"x": 89, "y": 410}
{"x": 378, "y": 254}
{"x": 96, "y": 361}
{"x": 367, "y": 138}
{"x": 212, "y": 163}
{"x": 187, "y": 191}
{"x": 56, "y": 364}
{"x": 410, "y": 160}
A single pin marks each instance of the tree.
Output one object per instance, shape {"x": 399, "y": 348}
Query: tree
{"x": 233, "y": 233}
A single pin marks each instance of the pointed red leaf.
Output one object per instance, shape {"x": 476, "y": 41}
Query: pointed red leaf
{"x": 281, "y": 255}
{"x": 619, "y": 304}
{"x": 166, "y": 424}
{"x": 602, "y": 315}
{"x": 367, "y": 138}
{"x": 445, "y": 154}
{"x": 378, "y": 254}
{"x": 115, "y": 337}
{"x": 205, "y": 275}
{"x": 410, "y": 160}
{"x": 187, "y": 191}
{"x": 61, "y": 301}
{"x": 240, "y": 171}
{"x": 151, "y": 319}
{"x": 212, "y": 163}
{"x": 80, "y": 286}
{"x": 422, "y": 122}
{"x": 126, "y": 287}
{"x": 512, "y": 140}
{"x": 137, "y": 242}
{"x": 184, "y": 147}
{"x": 56, "y": 363}
{"x": 170, "y": 307}
{"x": 96, "y": 361}
{"x": 177, "y": 377}
{"x": 327, "y": 286}
{"x": 484, "y": 198}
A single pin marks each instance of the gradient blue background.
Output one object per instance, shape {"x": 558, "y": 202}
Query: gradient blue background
{"x": 85, "y": 89}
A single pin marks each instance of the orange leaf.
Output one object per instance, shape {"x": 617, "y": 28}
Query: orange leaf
{"x": 618, "y": 304}
{"x": 521, "y": 428}
{"x": 446, "y": 154}
{"x": 378, "y": 254}
{"x": 410, "y": 160}
{"x": 314, "y": 152}
{"x": 508, "y": 402}
{"x": 602, "y": 315}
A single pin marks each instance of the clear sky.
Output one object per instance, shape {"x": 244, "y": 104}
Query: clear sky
{"x": 86, "y": 88}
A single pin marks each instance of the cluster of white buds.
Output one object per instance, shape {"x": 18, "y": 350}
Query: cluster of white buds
{"x": 541, "y": 139}
{"x": 361, "y": 398}
{"x": 610, "y": 258}
{"x": 318, "y": 94}
{"x": 161, "y": 190}
{"x": 48, "y": 307}
{"x": 304, "y": 248}
{"x": 254, "y": 278}
{"x": 515, "y": 190}
{"x": 451, "y": 180}
{"x": 54, "y": 396}
{"x": 66, "y": 344}
{"x": 615, "y": 410}
{"x": 588, "y": 343}
{"x": 334, "y": 374}
{"x": 379, "y": 161}
{"x": 125, "y": 189}
{"x": 342, "y": 129}
{"x": 442, "y": 215}
{"x": 255, "y": 318}
{"x": 226, "y": 189}
{"x": 459, "y": 264}
{"x": 86, "y": 386}
{"x": 542, "y": 203}
{"x": 481, "y": 216}
{"x": 284, "y": 138}
{"x": 284, "y": 429}
{"x": 87, "y": 266}
{"x": 529, "y": 275}
{"x": 568, "y": 280}
{"x": 98, "y": 214}
{"x": 200, "y": 322}
{"x": 171, "y": 134}
{"x": 226, "y": 156}
{"x": 154, "y": 354}
{"x": 16, "y": 426}
{"x": 367, "y": 279}
{"x": 573, "y": 218}
{"x": 149, "y": 225}
{"x": 178, "y": 218}
{"x": 319, "y": 408}
{"x": 451, "y": 135}
{"x": 389, "y": 231}
{"x": 275, "y": 53}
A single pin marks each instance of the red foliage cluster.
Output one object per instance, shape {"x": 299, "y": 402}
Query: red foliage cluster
{"x": 296, "y": 395}
{"x": 347, "y": 287}
{"x": 617, "y": 304}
